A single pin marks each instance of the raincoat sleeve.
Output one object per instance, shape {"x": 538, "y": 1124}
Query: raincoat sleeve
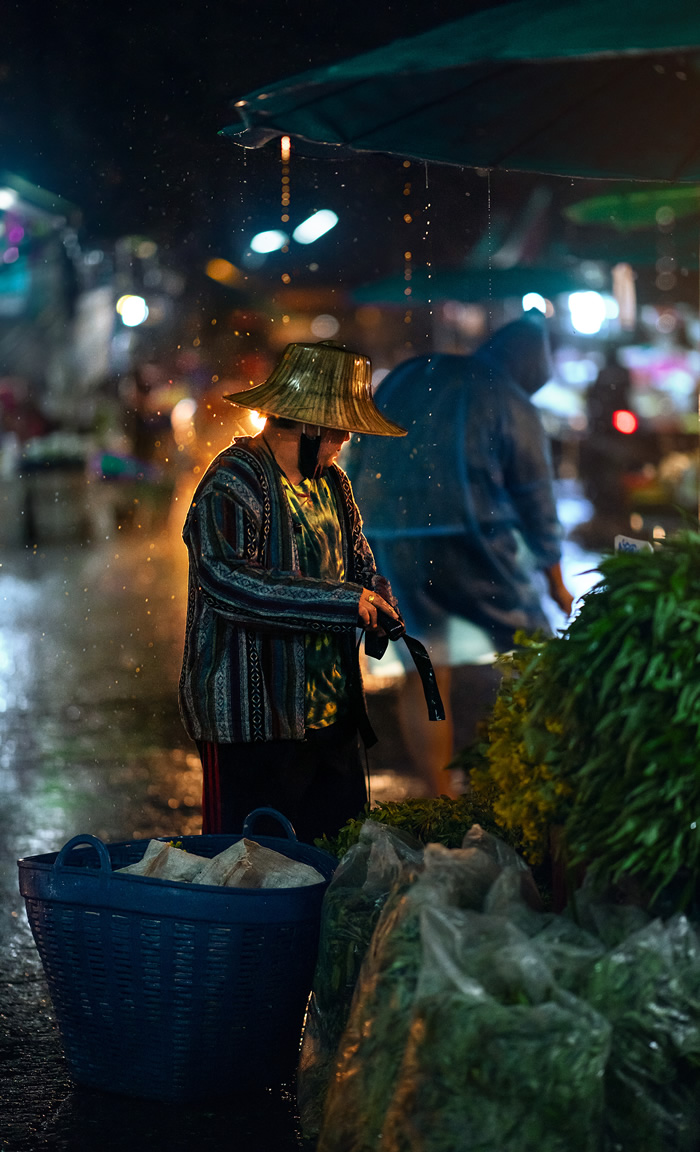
{"x": 527, "y": 471}
{"x": 232, "y": 523}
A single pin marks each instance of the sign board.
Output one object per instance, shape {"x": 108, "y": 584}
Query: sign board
{"x": 627, "y": 544}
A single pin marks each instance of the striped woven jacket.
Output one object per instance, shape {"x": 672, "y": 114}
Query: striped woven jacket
{"x": 243, "y": 677}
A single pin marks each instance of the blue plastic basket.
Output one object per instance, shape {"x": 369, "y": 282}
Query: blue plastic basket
{"x": 171, "y": 991}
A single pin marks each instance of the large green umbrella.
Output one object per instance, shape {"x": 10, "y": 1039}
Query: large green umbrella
{"x": 638, "y": 208}
{"x": 641, "y": 249}
{"x": 589, "y": 88}
{"x": 466, "y": 284}
{"x": 638, "y": 226}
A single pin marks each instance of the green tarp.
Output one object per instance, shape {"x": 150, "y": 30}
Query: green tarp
{"x": 589, "y": 89}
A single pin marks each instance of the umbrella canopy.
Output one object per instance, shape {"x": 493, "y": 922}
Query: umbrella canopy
{"x": 588, "y": 89}
{"x": 466, "y": 284}
{"x": 637, "y": 209}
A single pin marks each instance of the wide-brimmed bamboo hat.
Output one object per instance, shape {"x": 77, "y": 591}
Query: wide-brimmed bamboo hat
{"x": 321, "y": 384}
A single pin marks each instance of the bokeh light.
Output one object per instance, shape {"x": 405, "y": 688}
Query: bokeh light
{"x": 625, "y": 421}
{"x": 223, "y": 271}
{"x": 270, "y": 241}
{"x": 315, "y": 226}
{"x": 132, "y": 309}
{"x": 588, "y": 312}
{"x": 324, "y": 326}
{"x": 534, "y": 300}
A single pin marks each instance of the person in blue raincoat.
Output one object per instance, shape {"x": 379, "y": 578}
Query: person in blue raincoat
{"x": 460, "y": 512}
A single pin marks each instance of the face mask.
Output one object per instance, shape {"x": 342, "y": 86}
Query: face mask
{"x": 308, "y": 455}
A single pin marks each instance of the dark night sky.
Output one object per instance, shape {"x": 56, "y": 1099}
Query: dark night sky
{"x": 117, "y": 106}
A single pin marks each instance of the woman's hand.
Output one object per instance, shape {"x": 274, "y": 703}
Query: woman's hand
{"x": 370, "y": 602}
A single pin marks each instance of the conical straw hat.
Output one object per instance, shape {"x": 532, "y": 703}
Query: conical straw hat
{"x": 320, "y": 384}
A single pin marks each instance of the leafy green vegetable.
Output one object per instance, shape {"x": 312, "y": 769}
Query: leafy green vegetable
{"x": 380, "y": 1018}
{"x": 486, "y": 1032}
{"x": 459, "y": 1037}
{"x": 599, "y": 729}
{"x": 624, "y": 686}
{"x": 648, "y": 987}
{"x": 439, "y": 820}
{"x": 353, "y": 902}
{"x": 349, "y": 920}
{"x": 490, "y": 1077}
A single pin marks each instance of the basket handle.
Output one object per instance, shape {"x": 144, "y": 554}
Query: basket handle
{"x": 84, "y": 838}
{"x": 252, "y": 817}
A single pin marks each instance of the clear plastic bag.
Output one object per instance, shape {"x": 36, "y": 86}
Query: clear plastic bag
{"x": 498, "y": 1058}
{"x": 480, "y": 1024}
{"x": 648, "y": 987}
{"x": 382, "y": 859}
{"x": 372, "y": 1048}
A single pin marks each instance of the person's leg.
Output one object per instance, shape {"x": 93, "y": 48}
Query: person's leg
{"x": 318, "y": 783}
{"x": 336, "y": 790}
{"x": 238, "y": 778}
{"x": 429, "y": 743}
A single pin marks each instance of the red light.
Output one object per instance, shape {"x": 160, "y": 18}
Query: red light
{"x": 625, "y": 421}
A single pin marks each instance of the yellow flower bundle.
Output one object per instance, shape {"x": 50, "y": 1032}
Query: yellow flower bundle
{"x": 517, "y": 773}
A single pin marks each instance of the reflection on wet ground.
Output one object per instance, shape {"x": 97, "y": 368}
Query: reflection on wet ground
{"x": 88, "y": 668}
{"x": 91, "y": 741}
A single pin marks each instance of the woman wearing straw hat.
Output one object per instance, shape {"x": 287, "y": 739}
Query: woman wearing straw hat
{"x": 280, "y": 577}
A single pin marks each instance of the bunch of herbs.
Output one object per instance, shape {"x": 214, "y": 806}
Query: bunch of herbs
{"x": 373, "y": 1043}
{"x": 493, "y": 1077}
{"x": 382, "y": 859}
{"x": 623, "y": 687}
{"x": 438, "y": 820}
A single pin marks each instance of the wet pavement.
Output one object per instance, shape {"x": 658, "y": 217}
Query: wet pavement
{"x": 91, "y": 741}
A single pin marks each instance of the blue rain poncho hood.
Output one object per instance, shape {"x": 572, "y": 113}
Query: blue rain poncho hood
{"x": 520, "y": 350}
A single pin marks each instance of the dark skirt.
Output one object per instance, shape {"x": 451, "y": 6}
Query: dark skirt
{"x": 317, "y": 783}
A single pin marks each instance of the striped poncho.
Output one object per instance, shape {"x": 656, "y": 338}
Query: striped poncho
{"x": 249, "y": 608}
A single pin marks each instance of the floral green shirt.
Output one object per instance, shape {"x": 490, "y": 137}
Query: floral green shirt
{"x": 320, "y": 546}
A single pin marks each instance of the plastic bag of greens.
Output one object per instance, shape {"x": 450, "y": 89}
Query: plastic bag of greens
{"x": 613, "y": 912}
{"x": 372, "y": 1047}
{"x": 383, "y": 858}
{"x": 513, "y": 892}
{"x": 372, "y": 1044}
{"x": 498, "y": 1058}
{"x": 569, "y": 951}
{"x": 648, "y": 987}
{"x": 507, "y": 858}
